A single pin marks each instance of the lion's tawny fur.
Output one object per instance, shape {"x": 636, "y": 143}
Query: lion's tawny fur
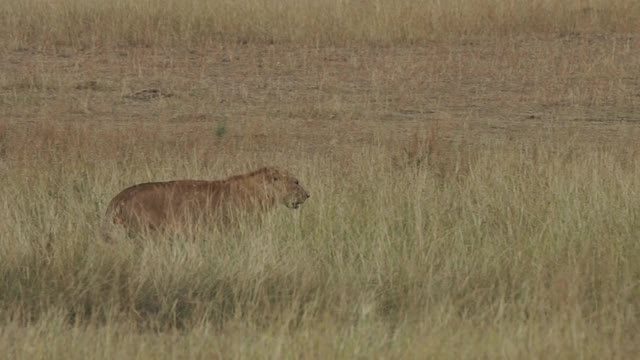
{"x": 157, "y": 205}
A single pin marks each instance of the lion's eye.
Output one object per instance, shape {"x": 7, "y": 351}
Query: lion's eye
{"x": 297, "y": 182}
{"x": 275, "y": 178}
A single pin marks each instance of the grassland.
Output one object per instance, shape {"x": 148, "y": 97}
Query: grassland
{"x": 194, "y": 23}
{"x": 473, "y": 169}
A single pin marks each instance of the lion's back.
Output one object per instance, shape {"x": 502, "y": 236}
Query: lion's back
{"x": 149, "y": 202}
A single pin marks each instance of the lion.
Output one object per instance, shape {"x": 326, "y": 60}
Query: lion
{"x": 161, "y": 205}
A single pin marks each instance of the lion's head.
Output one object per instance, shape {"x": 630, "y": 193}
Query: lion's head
{"x": 284, "y": 187}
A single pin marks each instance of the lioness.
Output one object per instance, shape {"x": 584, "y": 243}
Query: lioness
{"x": 158, "y": 205}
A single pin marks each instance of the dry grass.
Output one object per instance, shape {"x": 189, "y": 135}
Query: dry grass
{"x": 472, "y": 197}
{"x": 531, "y": 252}
{"x": 91, "y": 23}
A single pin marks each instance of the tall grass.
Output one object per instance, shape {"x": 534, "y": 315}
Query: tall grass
{"x": 427, "y": 245}
{"x": 91, "y": 23}
{"x": 530, "y": 251}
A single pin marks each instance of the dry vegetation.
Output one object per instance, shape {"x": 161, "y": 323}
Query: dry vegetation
{"x": 473, "y": 168}
{"x": 91, "y": 23}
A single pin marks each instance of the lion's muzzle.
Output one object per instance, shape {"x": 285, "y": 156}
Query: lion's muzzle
{"x": 299, "y": 199}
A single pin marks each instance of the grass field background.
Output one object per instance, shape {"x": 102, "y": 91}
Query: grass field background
{"x": 193, "y": 23}
{"x": 473, "y": 171}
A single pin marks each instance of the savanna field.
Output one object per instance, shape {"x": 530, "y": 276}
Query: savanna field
{"x": 474, "y": 171}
